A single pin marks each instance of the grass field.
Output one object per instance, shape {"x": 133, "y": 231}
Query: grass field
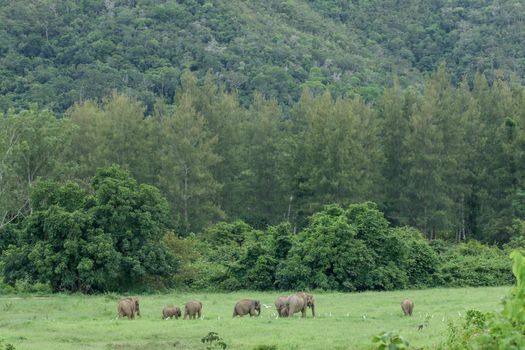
{"x": 344, "y": 321}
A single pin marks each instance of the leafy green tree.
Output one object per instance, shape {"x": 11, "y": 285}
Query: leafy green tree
{"x": 332, "y": 154}
{"x": 113, "y": 132}
{"x": 32, "y": 145}
{"x": 60, "y": 245}
{"x": 260, "y": 195}
{"x": 187, "y": 160}
{"x": 111, "y": 240}
{"x": 136, "y": 216}
{"x": 345, "y": 249}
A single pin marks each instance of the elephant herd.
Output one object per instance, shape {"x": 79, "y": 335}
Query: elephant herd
{"x": 284, "y": 305}
{"x": 129, "y": 307}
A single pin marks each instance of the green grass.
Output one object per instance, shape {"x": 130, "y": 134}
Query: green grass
{"x": 344, "y": 321}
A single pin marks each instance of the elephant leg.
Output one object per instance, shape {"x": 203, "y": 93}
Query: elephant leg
{"x": 303, "y": 312}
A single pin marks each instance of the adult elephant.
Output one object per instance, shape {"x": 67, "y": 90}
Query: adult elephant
{"x": 128, "y": 307}
{"x": 193, "y": 309}
{"x": 299, "y": 302}
{"x": 281, "y": 307}
{"x": 407, "y": 306}
{"x": 247, "y": 306}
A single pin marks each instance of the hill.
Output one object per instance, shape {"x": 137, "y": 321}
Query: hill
{"x": 54, "y": 53}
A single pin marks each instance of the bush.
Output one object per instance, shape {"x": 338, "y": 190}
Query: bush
{"x": 354, "y": 249}
{"x": 502, "y": 330}
{"x": 389, "y": 341}
{"x": 421, "y": 261}
{"x": 26, "y": 287}
{"x": 76, "y": 241}
{"x": 236, "y": 257}
{"x": 6, "y": 346}
{"x": 474, "y": 264}
{"x": 265, "y": 347}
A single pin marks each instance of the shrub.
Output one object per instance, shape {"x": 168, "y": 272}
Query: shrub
{"x": 474, "y": 264}
{"x": 346, "y": 249}
{"x": 265, "y": 347}
{"x": 213, "y": 341}
{"x": 421, "y": 261}
{"x": 502, "y": 330}
{"x": 389, "y": 341}
{"x": 76, "y": 241}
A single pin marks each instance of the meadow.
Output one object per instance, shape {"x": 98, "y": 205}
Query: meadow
{"x": 343, "y": 320}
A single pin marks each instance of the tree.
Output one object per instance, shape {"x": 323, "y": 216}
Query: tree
{"x": 260, "y": 197}
{"x": 333, "y": 152}
{"x": 113, "y": 132}
{"x": 346, "y": 249}
{"x": 32, "y": 146}
{"x": 187, "y": 161}
{"x": 60, "y": 245}
{"x": 111, "y": 240}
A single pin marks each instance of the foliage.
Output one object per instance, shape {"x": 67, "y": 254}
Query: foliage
{"x": 58, "y": 53}
{"x": 443, "y": 158}
{"x": 463, "y": 337}
{"x": 389, "y": 341}
{"x": 6, "y": 346}
{"x": 422, "y": 262}
{"x": 238, "y": 257}
{"x": 265, "y": 347}
{"x": 81, "y": 242}
{"x": 474, "y": 264}
{"x": 213, "y": 341}
{"x": 502, "y": 330}
{"x": 351, "y": 249}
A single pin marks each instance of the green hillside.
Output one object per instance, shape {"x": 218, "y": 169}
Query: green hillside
{"x": 54, "y": 53}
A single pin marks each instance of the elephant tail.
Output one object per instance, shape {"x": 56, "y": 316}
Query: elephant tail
{"x": 234, "y": 311}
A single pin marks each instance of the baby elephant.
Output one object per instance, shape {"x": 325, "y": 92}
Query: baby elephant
{"x": 170, "y": 312}
{"x": 407, "y": 306}
{"x": 247, "y": 306}
{"x": 128, "y": 307}
{"x": 193, "y": 309}
{"x": 280, "y": 306}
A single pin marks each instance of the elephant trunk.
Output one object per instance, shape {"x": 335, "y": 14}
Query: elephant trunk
{"x": 313, "y": 310}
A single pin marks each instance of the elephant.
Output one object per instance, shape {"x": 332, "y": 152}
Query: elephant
{"x": 299, "y": 302}
{"x": 280, "y": 306}
{"x": 192, "y": 309}
{"x": 247, "y": 306}
{"x": 170, "y": 312}
{"x": 128, "y": 307}
{"x": 407, "y": 306}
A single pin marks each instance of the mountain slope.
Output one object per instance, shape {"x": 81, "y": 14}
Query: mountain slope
{"x": 54, "y": 53}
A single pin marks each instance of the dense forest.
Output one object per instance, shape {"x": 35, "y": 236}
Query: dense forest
{"x": 56, "y": 53}
{"x": 299, "y": 144}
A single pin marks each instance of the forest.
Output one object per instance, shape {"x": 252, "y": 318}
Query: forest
{"x": 58, "y": 52}
{"x": 207, "y": 193}
{"x": 225, "y": 145}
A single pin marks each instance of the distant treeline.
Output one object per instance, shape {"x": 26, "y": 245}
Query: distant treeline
{"x": 248, "y": 186}
{"x": 448, "y": 161}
